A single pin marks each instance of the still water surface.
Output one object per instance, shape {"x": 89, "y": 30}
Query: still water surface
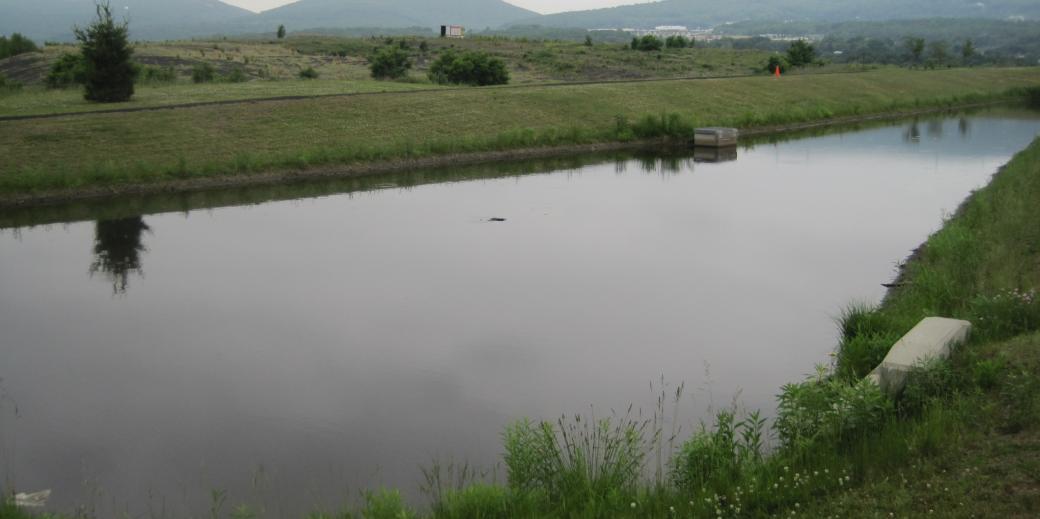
{"x": 293, "y": 352}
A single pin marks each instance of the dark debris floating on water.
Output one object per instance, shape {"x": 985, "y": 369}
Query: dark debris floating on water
{"x": 496, "y": 219}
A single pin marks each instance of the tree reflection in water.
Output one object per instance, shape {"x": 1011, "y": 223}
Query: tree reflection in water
{"x": 117, "y": 250}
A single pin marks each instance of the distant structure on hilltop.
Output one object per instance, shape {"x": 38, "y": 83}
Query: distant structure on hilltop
{"x": 453, "y": 31}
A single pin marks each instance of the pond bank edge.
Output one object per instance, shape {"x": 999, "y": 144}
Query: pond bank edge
{"x": 278, "y": 176}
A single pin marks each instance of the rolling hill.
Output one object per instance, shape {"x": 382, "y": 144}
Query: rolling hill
{"x": 705, "y": 12}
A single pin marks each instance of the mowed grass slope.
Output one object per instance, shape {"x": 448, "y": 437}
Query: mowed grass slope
{"x": 121, "y": 148}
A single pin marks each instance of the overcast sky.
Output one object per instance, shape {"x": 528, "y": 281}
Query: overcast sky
{"x": 542, "y": 6}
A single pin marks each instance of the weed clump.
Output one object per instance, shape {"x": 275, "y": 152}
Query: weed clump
{"x": 203, "y": 73}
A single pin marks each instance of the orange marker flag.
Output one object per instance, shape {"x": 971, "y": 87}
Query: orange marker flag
{"x": 778, "y": 71}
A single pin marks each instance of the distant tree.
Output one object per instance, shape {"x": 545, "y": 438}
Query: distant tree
{"x": 801, "y": 53}
{"x": 16, "y": 45}
{"x": 588, "y": 40}
{"x": 108, "y": 72}
{"x": 648, "y": 43}
{"x": 390, "y": 63}
{"x": 469, "y": 68}
{"x": 916, "y": 48}
{"x": 424, "y": 47}
{"x": 281, "y": 32}
{"x": 70, "y": 69}
{"x": 676, "y": 42}
{"x": 937, "y": 53}
{"x": 968, "y": 50}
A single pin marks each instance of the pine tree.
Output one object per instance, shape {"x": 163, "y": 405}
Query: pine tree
{"x": 108, "y": 72}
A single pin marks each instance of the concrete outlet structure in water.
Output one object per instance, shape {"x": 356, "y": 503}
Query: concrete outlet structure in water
{"x": 715, "y": 137}
{"x": 932, "y": 338}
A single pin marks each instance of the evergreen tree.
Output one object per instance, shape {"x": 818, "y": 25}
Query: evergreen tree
{"x": 281, "y": 32}
{"x": 801, "y": 53}
{"x": 108, "y": 72}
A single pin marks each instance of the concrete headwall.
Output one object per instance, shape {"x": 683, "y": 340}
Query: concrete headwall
{"x": 932, "y": 338}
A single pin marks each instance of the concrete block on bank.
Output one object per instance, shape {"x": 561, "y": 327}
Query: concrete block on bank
{"x": 715, "y": 137}
{"x": 932, "y": 338}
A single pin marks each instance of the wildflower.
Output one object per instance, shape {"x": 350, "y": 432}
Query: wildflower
{"x": 633, "y": 504}
{"x": 671, "y": 509}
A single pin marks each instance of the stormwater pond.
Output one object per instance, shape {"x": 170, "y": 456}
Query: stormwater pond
{"x": 290, "y": 346}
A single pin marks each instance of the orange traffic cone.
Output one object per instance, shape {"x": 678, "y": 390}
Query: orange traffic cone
{"x": 777, "y": 71}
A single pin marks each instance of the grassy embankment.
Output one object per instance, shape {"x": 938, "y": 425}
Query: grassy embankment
{"x": 229, "y": 141}
{"x": 962, "y": 441}
{"x": 271, "y": 69}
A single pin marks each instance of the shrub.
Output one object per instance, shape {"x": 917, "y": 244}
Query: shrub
{"x": 934, "y": 381}
{"x": 647, "y": 43}
{"x": 108, "y": 72}
{"x": 827, "y": 409}
{"x": 203, "y": 73}
{"x": 159, "y": 74}
{"x": 67, "y": 71}
{"x": 390, "y": 63}
{"x": 677, "y": 42}
{"x": 281, "y": 32}
{"x": 713, "y": 457}
{"x": 775, "y": 62}
{"x": 469, "y": 68}
{"x": 237, "y": 75}
{"x": 15, "y": 45}
{"x": 8, "y": 85}
{"x": 309, "y": 73}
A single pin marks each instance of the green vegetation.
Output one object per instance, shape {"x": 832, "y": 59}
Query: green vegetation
{"x": 108, "y": 73}
{"x": 677, "y": 42}
{"x": 390, "y": 62}
{"x": 281, "y": 32}
{"x": 15, "y": 45}
{"x": 7, "y": 86}
{"x": 648, "y": 43}
{"x": 469, "y": 68}
{"x": 68, "y": 70}
{"x": 309, "y": 73}
{"x": 801, "y": 53}
{"x": 71, "y": 152}
{"x": 203, "y": 73}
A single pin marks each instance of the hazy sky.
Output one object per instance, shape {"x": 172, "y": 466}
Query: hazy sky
{"x": 542, "y": 6}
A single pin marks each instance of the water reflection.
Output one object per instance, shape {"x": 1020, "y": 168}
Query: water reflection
{"x": 964, "y": 126}
{"x": 727, "y": 154}
{"x": 117, "y": 250}
{"x": 912, "y": 133}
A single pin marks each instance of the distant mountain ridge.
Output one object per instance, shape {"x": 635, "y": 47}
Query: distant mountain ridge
{"x": 54, "y": 19}
{"x": 474, "y": 14}
{"x": 707, "y": 12}
{"x": 172, "y": 19}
